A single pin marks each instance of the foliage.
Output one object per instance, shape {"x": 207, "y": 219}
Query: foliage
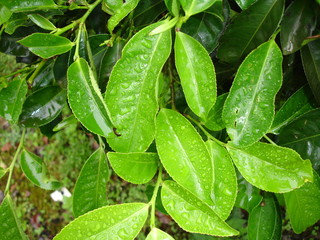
{"x": 219, "y": 97}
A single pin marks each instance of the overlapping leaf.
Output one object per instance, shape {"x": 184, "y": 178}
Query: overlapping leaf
{"x": 244, "y": 4}
{"x": 157, "y": 234}
{"x": 22, "y": 5}
{"x": 214, "y": 120}
{"x": 5, "y": 14}
{"x": 42, "y": 22}
{"x": 192, "y": 7}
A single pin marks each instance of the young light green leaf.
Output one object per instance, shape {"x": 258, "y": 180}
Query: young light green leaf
{"x": 184, "y": 155}
{"x": 165, "y": 26}
{"x": 197, "y": 74}
{"x": 2, "y": 172}
{"x": 110, "y": 6}
{"x": 35, "y": 170}
{"x": 12, "y": 98}
{"x": 90, "y": 191}
{"x": 41, "y": 21}
{"x": 117, "y": 222}
{"x": 271, "y": 168}
{"x": 46, "y": 45}
{"x": 298, "y": 104}
{"x": 191, "y": 213}
{"x": 65, "y": 123}
{"x": 137, "y": 168}
{"x": 192, "y": 7}
{"x": 173, "y": 6}
{"x": 303, "y": 205}
{"x": 132, "y": 90}
{"x": 85, "y": 99}
{"x": 120, "y": 13}
{"x": 244, "y": 4}
{"x": 265, "y": 220}
{"x": 5, "y": 14}
{"x": 42, "y": 106}
{"x": 157, "y": 234}
{"x": 249, "y": 108}
{"x": 10, "y": 226}
{"x": 214, "y": 120}
{"x": 22, "y": 5}
{"x": 224, "y": 190}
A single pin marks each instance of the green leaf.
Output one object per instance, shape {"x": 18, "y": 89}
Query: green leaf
{"x": 310, "y": 55}
{"x": 90, "y": 191}
{"x": 191, "y": 213}
{"x": 10, "y": 226}
{"x": 157, "y": 234}
{"x": 42, "y": 106}
{"x": 120, "y": 13}
{"x": 5, "y": 14}
{"x": 45, "y": 76}
{"x": 123, "y": 221}
{"x": 196, "y": 72}
{"x": 224, "y": 190}
{"x": 249, "y": 29}
{"x": 298, "y": 104}
{"x": 265, "y": 220}
{"x": 112, "y": 5}
{"x": 192, "y": 7}
{"x": 22, "y": 5}
{"x": 298, "y": 22}
{"x": 244, "y": 4}
{"x": 137, "y": 168}
{"x": 214, "y": 120}
{"x": 46, "y": 45}
{"x": 184, "y": 155}
{"x": 41, "y": 21}
{"x": 303, "y": 135}
{"x": 85, "y": 99}
{"x": 2, "y": 172}
{"x": 249, "y": 108}
{"x": 132, "y": 92}
{"x": 85, "y": 48}
{"x": 35, "y": 170}
{"x": 12, "y": 98}
{"x": 303, "y": 205}
{"x": 65, "y": 123}
{"x": 173, "y": 6}
{"x": 271, "y": 168}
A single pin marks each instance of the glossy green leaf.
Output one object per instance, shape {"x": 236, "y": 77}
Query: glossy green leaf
{"x": 224, "y": 190}
{"x": 187, "y": 160}
{"x": 42, "y": 106}
{"x": 131, "y": 94}
{"x": 112, "y": 5}
{"x": 249, "y": 108}
{"x": 90, "y": 191}
{"x": 271, "y": 168}
{"x": 157, "y": 234}
{"x": 244, "y": 4}
{"x": 303, "y": 205}
{"x": 249, "y": 29}
{"x": 85, "y": 48}
{"x": 265, "y": 220}
{"x": 12, "y": 98}
{"x": 45, "y": 76}
{"x": 35, "y": 170}
{"x": 310, "y": 55}
{"x": 120, "y": 13}
{"x": 173, "y": 6}
{"x": 191, "y": 213}
{"x": 2, "y": 172}
{"x": 85, "y": 99}
{"x": 22, "y": 5}
{"x": 10, "y": 226}
{"x": 298, "y": 22}
{"x": 299, "y": 103}
{"x": 5, "y": 14}
{"x": 303, "y": 135}
{"x": 65, "y": 123}
{"x": 192, "y": 7}
{"x": 166, "y": 25}
{"x": 196, "y": 72}
{"x": 46, "y": 45}
{"x": 41, "y": 21}
{"x": 137, "y": 168}
{"x": 117, "y": 222}
{"x": 214, "y": 120}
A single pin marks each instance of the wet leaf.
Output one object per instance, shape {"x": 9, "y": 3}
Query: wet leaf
{"x": 45, "y": 77}
{"x": 192, "y": 7}
{"x": 41, "y": 21}
{"x": 214, "y": 120}
{"x": 271, "y": 168}
{"x": 85, "y": 99}
{"x": 191, "y": 213}
{"x": 35, "y": 170}
{"x": 46, "y": 45}
{"x": 122, "y": 221}
{"x": 22, "y": 5}
{"x": 137, "y": 168}
{"x": 5, "y": 14}
{"x": 42, "y": 106}
{"x": 196, "y": 72}
{"x": 303, "y": 205}
{"x": 90, "y": 191}
{"x": 249, "y": 29}
{"x": 157, "y": 234}
{"x": 244, "y": 4}
{"x": 249, "y": 108}
{"x": 10, "y": 226}
{"x": 131, "y": 94}
{"x": 65, "y": 123}
{"x": 2, "y": 172}
{"x": 12, "y": 98}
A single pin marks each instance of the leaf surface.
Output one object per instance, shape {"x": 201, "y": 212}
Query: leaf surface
{"x": 2, "y": 172}
{"x": 157, "y": 234}
{"x": 5, "y": 14}
{"x": 22, "y": 5}
{"x": 41, "y": 21}
{"x": 192, "y": 7}
{"x": 244, "y": 4}
{"x": 214, "y": 120}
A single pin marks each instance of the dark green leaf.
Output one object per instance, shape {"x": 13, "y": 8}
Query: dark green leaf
{"x": 41, "y": 21}
{"x": 16, "y": 21}
{"x": 85, "y": 48}
{"x": 22, "y": 5}
{"x": 45, "y": 77}
{"x": 65, "y": 123}
{"x": 244, "y": 4}
{"x": 157, "y": 234}
{"x": 214, "y": 120}
{"x": 147, "y": 12}
{"x": 5, "y": 14}
{"x": 42, "y": 106}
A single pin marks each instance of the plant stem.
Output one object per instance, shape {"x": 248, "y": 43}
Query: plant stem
{"x": 173, "y": 95}
{"x": 35, "y": 73}
{"x": 269, "y": 140}
{"x": 154, "y": 197}
{"x": 19, "y": 71}
{"x": 11, "y": 167}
